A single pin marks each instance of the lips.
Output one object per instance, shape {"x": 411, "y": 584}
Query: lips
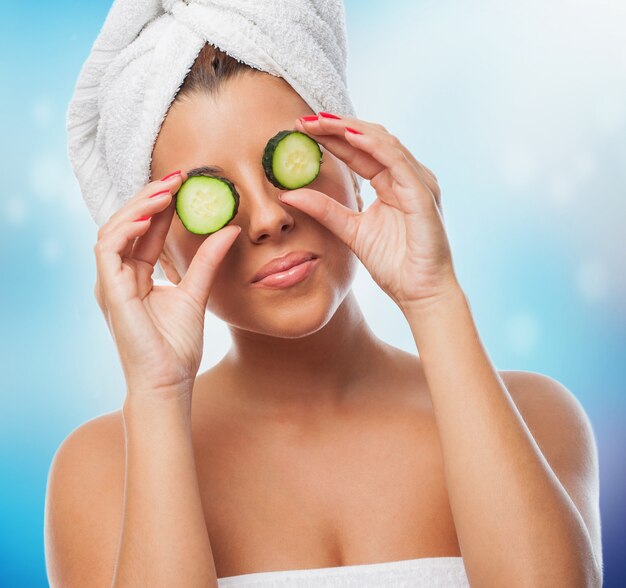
{"x": 283, "y": 263}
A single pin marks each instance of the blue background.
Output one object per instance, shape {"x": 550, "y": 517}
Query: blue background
{"x": 520, "y": 110}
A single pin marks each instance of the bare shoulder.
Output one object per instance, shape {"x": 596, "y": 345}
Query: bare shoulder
{"x": 564, "y": 434}
{"x": 83, "y": 504}
{"x": 554, "y": 415}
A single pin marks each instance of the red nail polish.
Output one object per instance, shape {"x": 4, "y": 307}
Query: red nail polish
{"x": 161, "y": 192}
{"x": 169, "y": 175}
{"x": 142, "y": 218}
{"x": 329, "y": 115}
{"x": 309, "y": 118}
{"x": 353, "y": 131}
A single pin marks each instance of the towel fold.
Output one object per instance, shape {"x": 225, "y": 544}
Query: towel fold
{"x": 140, "y": 59}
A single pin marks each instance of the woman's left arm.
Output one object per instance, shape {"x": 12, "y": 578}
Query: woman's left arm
{"x": 525, "y": 505}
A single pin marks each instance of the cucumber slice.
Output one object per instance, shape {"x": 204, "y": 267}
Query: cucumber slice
{"x": 291, "y": 159}
{"x": 206, "y": 203}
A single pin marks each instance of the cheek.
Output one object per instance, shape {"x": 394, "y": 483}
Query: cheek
{"x": 227, "y": 299}
{"x": 345, "y": 264}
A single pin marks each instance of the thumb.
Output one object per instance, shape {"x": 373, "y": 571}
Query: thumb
{"x": 336, "y": 217}
{"x": 198, "y": 278}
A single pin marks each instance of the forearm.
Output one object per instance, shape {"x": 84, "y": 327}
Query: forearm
{"x": 515, "y": 522}
{"x": 164, "y": 539}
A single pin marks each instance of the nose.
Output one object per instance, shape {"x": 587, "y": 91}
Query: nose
{"x": 268, "y": 217}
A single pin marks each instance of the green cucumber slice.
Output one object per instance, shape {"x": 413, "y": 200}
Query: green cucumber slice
{"x": 206, "y": 203}
{"x": 291, "y": 159}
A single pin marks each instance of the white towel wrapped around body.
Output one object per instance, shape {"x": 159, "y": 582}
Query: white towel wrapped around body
{"x": 140, "y": 59}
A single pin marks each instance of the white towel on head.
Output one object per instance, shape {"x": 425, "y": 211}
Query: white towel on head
{"x": 144, "y": 51}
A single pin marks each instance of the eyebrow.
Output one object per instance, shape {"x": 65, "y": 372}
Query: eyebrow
{"x": 205, "y": 170}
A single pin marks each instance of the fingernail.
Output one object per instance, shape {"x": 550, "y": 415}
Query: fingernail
{"x": 142, "y": 218}
{"x": 329, "y": 115}
{"x": 159, "y": 193}
{"x": 309, "y": 118}
{"x": 177, "y": 172}
{"x": 353, "y": 131}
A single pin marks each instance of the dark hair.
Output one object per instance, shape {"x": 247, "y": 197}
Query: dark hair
{"x": 211, "y": 68}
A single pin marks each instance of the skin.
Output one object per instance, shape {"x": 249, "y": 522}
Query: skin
{"x": 315, "y": 443}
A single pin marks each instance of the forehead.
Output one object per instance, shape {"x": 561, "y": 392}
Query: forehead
{"x": 232, "y": 125}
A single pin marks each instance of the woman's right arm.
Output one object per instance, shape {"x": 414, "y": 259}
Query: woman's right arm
{"x": 148, "y": 529}
{"x": 164, "y": 539}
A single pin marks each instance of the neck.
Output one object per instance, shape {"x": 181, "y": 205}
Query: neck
{"x": 316, "y": 371}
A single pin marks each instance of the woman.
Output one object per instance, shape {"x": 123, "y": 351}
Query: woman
{"x": 313, "y": 453}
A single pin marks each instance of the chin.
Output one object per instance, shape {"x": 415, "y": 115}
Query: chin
{"x": 295, "y": 326}
{"x": 295, "y": 318}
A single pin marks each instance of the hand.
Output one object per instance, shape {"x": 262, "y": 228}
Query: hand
{"x": 400, "y": 238}
{"x": 158, "y": 330}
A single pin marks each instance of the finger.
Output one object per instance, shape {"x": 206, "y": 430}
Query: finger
{"x": 148, "y": 201}
{"x": 321, "y": 123}
{"x": 148, "y": 206}
{"x": 108, "y": 250}
{"x": 387, "y": 156}
{"x": 323, "y": 128}
{"x": 148, "y": 247}
{"x": 199, "y": 277}
{"x": 409, "y": 191}
{"x": 331, "y": 133}
{"x": 426, "y": 175}
{"x": 356, "y": 159}
{"x": 339, "y": 219}
{"x": 133, "y": 207}
{"x": 363, "y": 163}
{"x": 332, "y": 138}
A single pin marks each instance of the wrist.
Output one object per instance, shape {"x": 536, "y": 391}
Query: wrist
{"x": 446, "y": 316}
{"x": 157, "y": 399}
{"x": 420, "y": 309}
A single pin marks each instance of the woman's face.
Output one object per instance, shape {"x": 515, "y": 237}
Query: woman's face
{"x": 230, "y": 131}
